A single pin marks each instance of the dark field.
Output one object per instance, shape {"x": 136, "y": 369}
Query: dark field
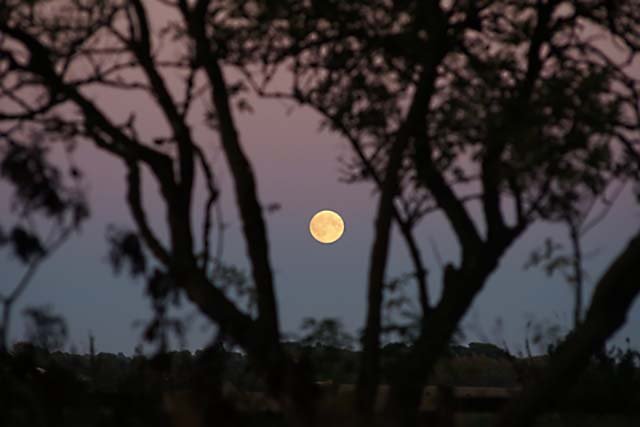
{"x": 220, "y": 387}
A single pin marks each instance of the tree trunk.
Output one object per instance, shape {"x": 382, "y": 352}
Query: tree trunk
{"x": 368, "y": 377}
{"x": 460, "y": 287}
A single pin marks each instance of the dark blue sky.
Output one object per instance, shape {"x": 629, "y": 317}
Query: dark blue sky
{"x": 297, "y": 167}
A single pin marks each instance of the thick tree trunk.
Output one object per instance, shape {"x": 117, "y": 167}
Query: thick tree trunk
{"x": 460, "y": 287}
{"x": 368, "y": 376}
{"x": 262, "y": 337}
{"x": 254, "y": 228}
{"x": 368, "y": 379}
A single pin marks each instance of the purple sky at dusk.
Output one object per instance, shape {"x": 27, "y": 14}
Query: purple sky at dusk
{"x": 297, "y": 166}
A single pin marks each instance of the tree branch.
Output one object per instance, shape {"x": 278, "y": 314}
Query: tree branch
{"x": 135, "y": 206}
{"x": 142, "y": 49}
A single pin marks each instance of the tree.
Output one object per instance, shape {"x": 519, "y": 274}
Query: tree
{"x": 54, "y": 53}
{"x": 511, "y": 106}
{"x": 324, "y": 333}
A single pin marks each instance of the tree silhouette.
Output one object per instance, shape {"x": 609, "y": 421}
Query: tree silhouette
{"x": 517, "y": 108}
{"x": 512, "y": 107}
{"x": 54, "y": 53}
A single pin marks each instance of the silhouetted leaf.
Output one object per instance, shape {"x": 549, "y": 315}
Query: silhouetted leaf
{"x": 125, "y": 249}
{"x": 26, "y": 245}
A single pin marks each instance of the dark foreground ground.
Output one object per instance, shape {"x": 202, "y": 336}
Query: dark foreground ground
{"x": 218, "y": 387}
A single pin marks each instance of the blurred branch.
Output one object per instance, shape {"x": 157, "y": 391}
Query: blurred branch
{"x": 25, "y": 280}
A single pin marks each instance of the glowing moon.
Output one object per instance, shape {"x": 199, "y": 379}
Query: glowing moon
{"x": 326, "y": 226}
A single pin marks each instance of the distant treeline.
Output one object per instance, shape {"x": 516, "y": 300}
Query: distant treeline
{"x": 57, "y": 388}
{"x": 477, "y": 364}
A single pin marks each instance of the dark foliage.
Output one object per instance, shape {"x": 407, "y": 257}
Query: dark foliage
{"x": 125, "y": 248}
{"x": 44, "y": 328}
{"x": 26, "y": 245}
{"x": 38, "y": 184}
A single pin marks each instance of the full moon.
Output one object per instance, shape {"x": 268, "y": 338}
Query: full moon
{"x": 326, "y": 226}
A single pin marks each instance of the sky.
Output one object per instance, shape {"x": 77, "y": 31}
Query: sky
{"x": 297, "y": 167}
